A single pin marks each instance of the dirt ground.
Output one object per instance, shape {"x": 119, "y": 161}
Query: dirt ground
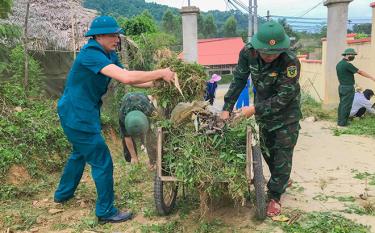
{"x": 323, "y": 171}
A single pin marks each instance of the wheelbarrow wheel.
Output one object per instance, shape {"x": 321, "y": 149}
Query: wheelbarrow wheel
{"x": 165, "y": 195}
{"x": 260, "y": 195}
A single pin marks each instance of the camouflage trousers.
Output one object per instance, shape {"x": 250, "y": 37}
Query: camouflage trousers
{"x": 277, "y": 148}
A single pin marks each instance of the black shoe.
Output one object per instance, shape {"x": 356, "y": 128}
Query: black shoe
{"x": 63, "y": 200}
{"x": 119, "y": 217}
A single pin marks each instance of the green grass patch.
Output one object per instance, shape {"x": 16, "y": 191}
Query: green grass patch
{"x": 324, "y": 198}
{"x": 171, "y": 227}
{"x": 368, "y": 208}
{"x": 311, "y": 108}
{"x": 226, "y": 79}
{"x": 363, "y": 176}
{"x": 324, "y": 222}
{"x": 359, "y": 126}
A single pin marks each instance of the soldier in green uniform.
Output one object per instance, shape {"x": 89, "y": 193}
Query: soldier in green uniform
{"x": 136, "y": 108}
{"x": 345, "y": 73}
{"x": 275, "y": 72}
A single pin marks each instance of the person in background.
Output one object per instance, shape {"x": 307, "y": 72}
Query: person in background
{"x": 362, "y": 103}
{"x": 79, "y": 112}
{"x": 345, "y": 73}
{"x": 136, "y": 109}
{"x": 243, "y": 100}
{"x": 211, "y": 88}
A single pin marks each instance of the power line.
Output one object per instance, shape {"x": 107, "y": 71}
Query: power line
{"x": 312, "y": 8}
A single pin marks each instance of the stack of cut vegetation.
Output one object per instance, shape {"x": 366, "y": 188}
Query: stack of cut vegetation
{"x": 192, "y": 80}
{"x": 210, "y": 161}
{"x": 199, "y": 149}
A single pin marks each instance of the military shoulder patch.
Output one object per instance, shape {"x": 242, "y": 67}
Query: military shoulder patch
{"x": 291, "y": 71}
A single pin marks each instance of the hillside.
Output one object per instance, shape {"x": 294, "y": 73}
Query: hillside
{"x": 129, "y": 8}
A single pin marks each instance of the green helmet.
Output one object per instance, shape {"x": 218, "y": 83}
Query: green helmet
{"x": 136, "y": 123}
{"x": 104, "y": 25}
{"x": 349, "y": 51}
{"x": 271, "y": 38}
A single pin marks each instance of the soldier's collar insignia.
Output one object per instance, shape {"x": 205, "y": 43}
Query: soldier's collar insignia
{"x": 291, "y": 71}
{"x": 272, "y": 42}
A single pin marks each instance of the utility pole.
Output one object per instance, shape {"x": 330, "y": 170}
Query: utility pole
{"x": 255, "y": 28}
{"x": 25, "y": 42}
{"x": 250, "y": 30}
{"x": 268, "y": 16}
{"x": 188, "y": 2}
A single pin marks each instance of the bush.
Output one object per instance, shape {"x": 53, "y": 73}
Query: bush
{"x": 29, "y": 127}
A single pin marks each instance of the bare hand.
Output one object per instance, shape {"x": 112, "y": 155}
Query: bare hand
{"x": 248, "y": 111}
{"x": 167, "y": 75}
{"x": 224, "y": 115}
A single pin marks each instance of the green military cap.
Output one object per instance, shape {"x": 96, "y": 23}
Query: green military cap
{"x": 136, "y": 123}
{"x": 104, "y": 25}
{"x": 349, "y": 51}
{"x": 271, "y": 38}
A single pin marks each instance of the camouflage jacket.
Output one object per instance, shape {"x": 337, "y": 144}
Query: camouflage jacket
{"x": 135, "y": 101}
{"x": 277, "y": 98}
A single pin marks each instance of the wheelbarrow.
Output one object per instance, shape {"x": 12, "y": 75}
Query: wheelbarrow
{"x": 166, "y": 186}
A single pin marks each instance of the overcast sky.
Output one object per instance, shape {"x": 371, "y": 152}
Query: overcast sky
{"x": 357, "y": 9}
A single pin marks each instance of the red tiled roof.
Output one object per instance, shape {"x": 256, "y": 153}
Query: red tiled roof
{"x": 219, "y": 51}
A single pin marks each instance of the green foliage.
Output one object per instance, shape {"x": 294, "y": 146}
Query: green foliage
{"x": 288, "y": 29}
{"x": 143, "y": 23}
{"x": 364, "y": 175}
{"x": 172, "y": 24}
{"x": 149, "y": 44}
{"x": 131, "y": 8}
{"x": 207, "y": 27}
{"x": 311, "y": 107}
{"x": 367, "y": 209}
{"x": 364, "y": 28}
{"x": 29, "y": 127}
{"x": 361, "y": 36}
{"x": 230, "y": 27}
{"x": 192, "y": 79}
{"x": 226, "y": 79}
{"x": 208, "y": 227}
{"x": 16, "y": 68}
{"x": 324, "y": 222}
{"x": 5, "y": 8}
{"x": 170, "y": 227}
{"x": 323, "y": 197}
{"x": 127, "y": 8}
{"x": 204, "y": 161}
{"x": 359, "y": 126}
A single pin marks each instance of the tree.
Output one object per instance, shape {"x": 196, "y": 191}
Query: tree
{"x": 362, "y": 28}
{"x": 143, "y": 23}
{"x": 209, "y": 26}
{"x": 230, "y": 27}
{"x": 288, "y": 29}
{"x": 172, "y": 24}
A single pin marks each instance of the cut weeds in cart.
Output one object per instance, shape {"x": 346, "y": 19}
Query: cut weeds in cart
{"x": 214, "y": 164}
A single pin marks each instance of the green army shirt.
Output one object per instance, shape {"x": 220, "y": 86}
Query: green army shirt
{"x": 277, "y": 98}
{"x": 131, "y": 102}
{"x": 345, "y": 72}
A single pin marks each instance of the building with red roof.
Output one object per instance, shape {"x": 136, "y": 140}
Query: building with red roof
{"x": 219, "y": 55}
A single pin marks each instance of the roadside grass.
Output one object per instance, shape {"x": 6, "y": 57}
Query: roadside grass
{"x": 359, "y": 126}
{"x": 324, "y": 222}
{"x": 312, "y": 108}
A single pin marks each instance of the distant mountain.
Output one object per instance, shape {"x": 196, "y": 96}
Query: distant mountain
{"x": 130, "y": 8}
